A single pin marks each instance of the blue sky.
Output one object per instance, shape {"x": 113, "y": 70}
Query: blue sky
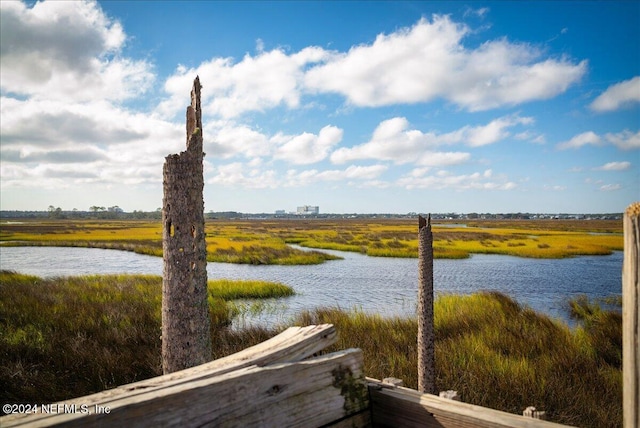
{"x": 353, "y": 106}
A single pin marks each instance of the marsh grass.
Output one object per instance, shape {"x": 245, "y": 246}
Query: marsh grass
{"x": 268, "y": 255}
{"x": 67, "y": 337}
{"x": 497, "y": 354}
{"x": 602, "y": 328}
{"x": 71, "y": 336}
{"x": 248, "y": 289}
{"x": 265, "y": 241}
{"x": 522, "y": 238}
{"x": 226, "y": 243}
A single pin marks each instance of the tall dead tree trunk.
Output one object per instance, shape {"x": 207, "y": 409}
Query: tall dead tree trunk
{"x": 186, "y": 336}
{"x": 631, "y": 317}
{"x": 426, "y": 336}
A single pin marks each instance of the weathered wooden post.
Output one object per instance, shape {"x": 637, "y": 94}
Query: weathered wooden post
{"x": 631, "y": 317}
{"x": 426, "y": 336}
{"x": 186, "y": 335}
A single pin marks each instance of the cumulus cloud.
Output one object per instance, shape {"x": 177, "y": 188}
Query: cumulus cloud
{"x": 228, "y": 139}
{"x": 586, "y": 138}
{"x": 429, "y": 60}
{"x": 614, "y": 166}
{"x": 418, "y": 179}
{"x": 393, "y": 141}
{"x": 296, "y": 178}
{"x": 81, "y": 155}
{"x": 308, "y": 148}
{"x": 625, "y": 140}
{"x": 255, "y": 83}
{"x": 67, "y": 50}
{"x": 617, "y": 96}
{"x": 245, "y": 175}
{"x": 63, "y": 81}
{"x": 411, "y": 65}
{"x": 494, "y": 131}
{"x": 44, "y": 140}
{"x": 239, "y": 175}
{"x": 53, "y": 122}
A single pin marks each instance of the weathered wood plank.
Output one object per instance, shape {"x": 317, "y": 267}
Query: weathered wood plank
{"x": 631, "y": 317}
{"x": 294, "y": 344}
{"x": 309, "y": 393}
{"x": 403, "y": 407}
{"x": 358, "y": 420}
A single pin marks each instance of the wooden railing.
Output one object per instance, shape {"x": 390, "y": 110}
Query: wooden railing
{"x": 280, "y": 382}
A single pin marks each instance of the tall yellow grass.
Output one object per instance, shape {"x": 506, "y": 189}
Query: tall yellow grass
{"x": 265, "y": 242}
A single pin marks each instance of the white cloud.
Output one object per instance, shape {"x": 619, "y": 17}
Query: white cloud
{"x": 63, "y": 77}
{"x": 351, "y": 173}
{"x": 228, "y": 139}
{"x": 610, "y": 187}
{"x": 308, "y": 148}
{"x": 256, "y": 83}
{"x": 614, "y": 166}
{"x": 44, "y": 140}
{"x": 530, "y": 136}
{"x": 618, "y": 96}
{"x": 494, "y": 131}
{"x": 56, "y": 123}
{"x": 586, "y": 138}
{"x": 445, "y": 180}
{"x": 428, "y": 61}
{"x": 393, "y": 141}
{"x": 416, "y": 64}
{"x": 237, "y": 174}
{"x": 67, "y": 51}
{"x": 625, "y": 140}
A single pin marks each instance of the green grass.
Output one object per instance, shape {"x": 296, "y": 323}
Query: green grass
{"x": 71, "y": 336}
{"x": 67, "y": 337}
{"x": 248, "y": 289}
{"x": 266, "y": 255}
{"x": 497, "y": 354}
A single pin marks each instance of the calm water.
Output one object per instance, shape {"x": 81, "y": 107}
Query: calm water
{"x": 374, "y": 284}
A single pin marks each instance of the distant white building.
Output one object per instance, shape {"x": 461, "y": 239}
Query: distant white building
{"x": 280, "y": 212}
{"x": 308, "y": 209}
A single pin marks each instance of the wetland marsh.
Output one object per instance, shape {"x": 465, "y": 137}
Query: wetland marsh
{"x": 500, "y": 340}
{"x": 266, "y": 241}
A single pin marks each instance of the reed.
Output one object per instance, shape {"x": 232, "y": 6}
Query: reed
{"x": 71, "y": 336}
{"x": 66, "y": 337}
{"x": 248, "y": 289}
{"x": 268, "y": 255}
{"x": 497, "y": 354}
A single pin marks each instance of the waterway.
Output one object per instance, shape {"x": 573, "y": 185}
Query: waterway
{"x": 387, "y": 286}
